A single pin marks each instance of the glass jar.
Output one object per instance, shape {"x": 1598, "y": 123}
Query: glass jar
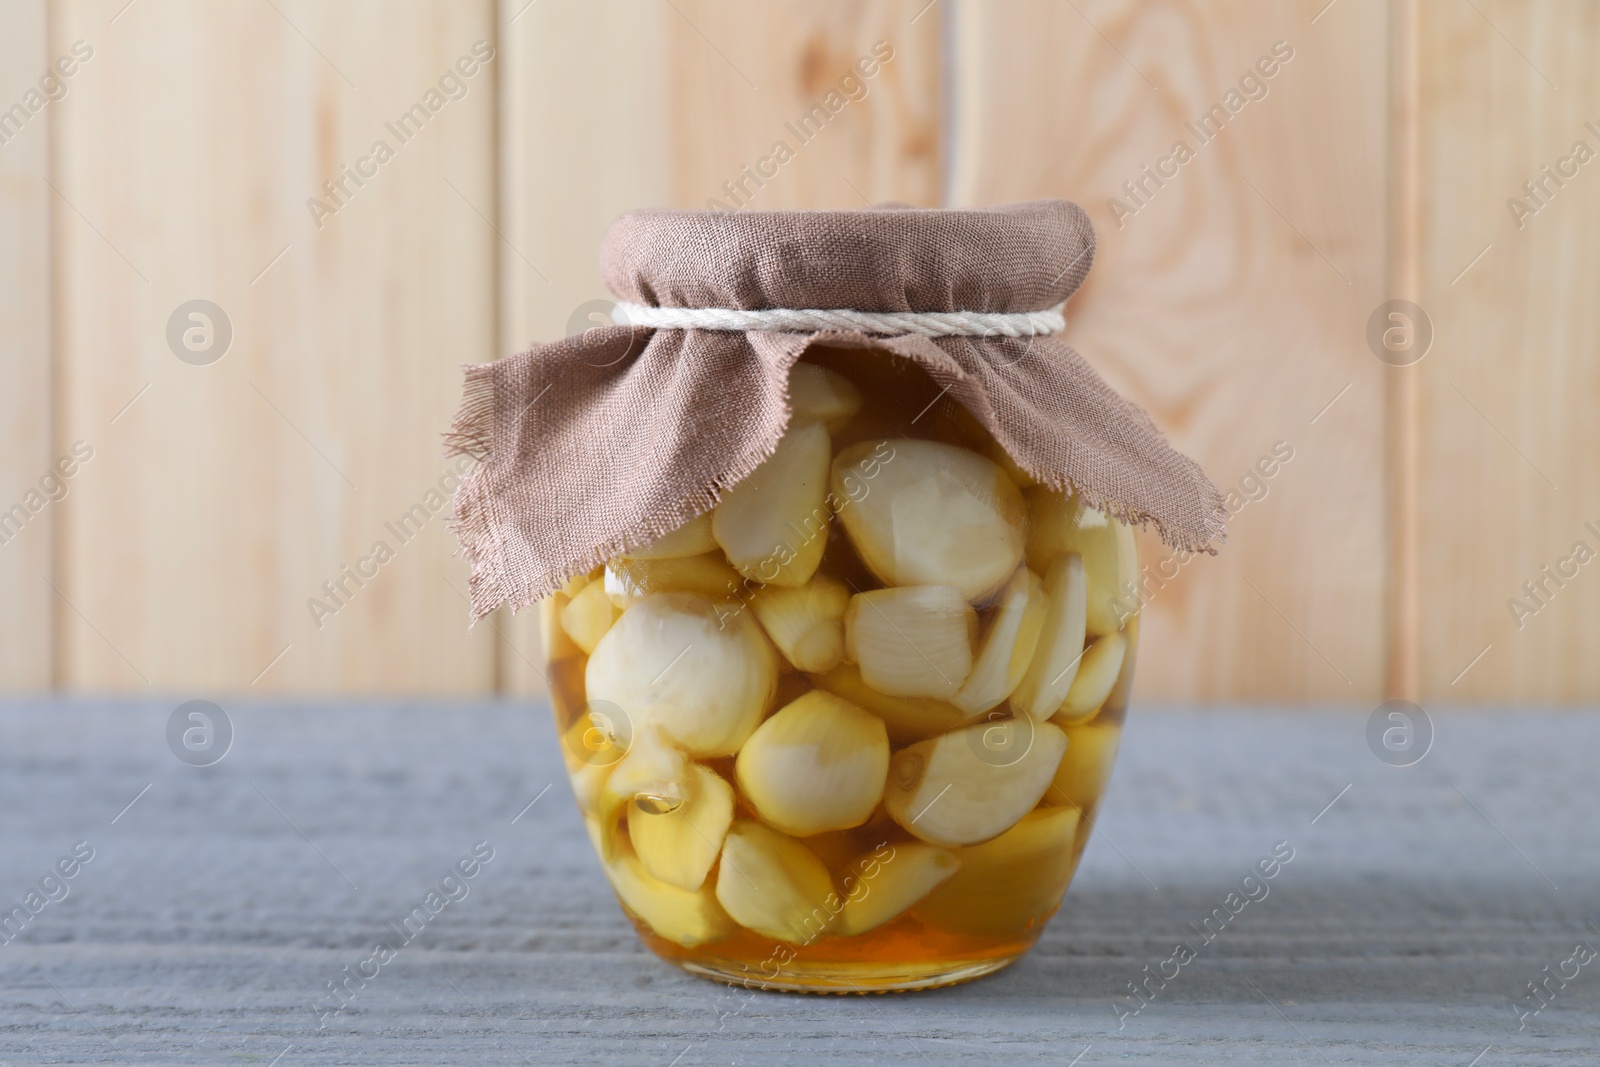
{"x": 848, "y": 731}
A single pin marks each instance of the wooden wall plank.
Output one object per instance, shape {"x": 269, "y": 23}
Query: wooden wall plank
{"x": 1403, "y": 617}
{"x": 1231, "y": 301}
{"x": 223, "y": 496}
{"x": 1508, "y": 433}
{"x": 583, "y": 138}
{"x": 745, "y": 76}
{"x": 662, "y": 104}
{"x": 27, "y": 603}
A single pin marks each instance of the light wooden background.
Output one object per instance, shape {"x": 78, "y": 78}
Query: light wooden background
{"x": 1233, "y": 304}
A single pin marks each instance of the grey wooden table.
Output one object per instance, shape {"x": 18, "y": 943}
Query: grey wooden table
{"x": 219, "y": 906}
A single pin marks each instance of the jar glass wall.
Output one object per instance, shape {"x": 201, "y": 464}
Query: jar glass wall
{"x": 848, "y": 731}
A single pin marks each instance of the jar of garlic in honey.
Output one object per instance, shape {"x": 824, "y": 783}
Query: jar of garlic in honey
{"x": 848, "y": 729}
{"x": 840, "y": 607}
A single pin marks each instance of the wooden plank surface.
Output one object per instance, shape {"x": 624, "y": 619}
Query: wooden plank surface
{"x": 1230, "y": 300}
{"x": 583, "y": 138}
{"x": 223, "y": 496}
{"x": 27, "y": 603}
{"x": 206, "y": 928}
{"x": 1508, "y": 433}
{"x": 616, "y": 106}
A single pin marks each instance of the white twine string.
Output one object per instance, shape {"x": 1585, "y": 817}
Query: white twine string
{"x": 813, "y": 320}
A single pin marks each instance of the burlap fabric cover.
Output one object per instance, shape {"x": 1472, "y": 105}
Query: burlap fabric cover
{"x": 601, "y": 442}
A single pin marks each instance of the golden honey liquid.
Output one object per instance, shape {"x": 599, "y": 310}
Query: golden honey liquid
{"x": 958, "y": 931}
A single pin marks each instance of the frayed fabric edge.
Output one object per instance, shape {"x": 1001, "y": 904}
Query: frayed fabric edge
{"x": 490, "y": 586}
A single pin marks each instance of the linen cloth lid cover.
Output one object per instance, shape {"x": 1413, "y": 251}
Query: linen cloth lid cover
{"x": 601, "y": 442}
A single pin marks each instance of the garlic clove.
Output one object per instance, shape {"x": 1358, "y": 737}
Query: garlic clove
{"x": 628, "y": 580}
{"x": 705, "y": 676}
{"x": 972, "y": 784}
{"x": 553, "y": 639}
{"x": 815, "y": 765}
{"x": 588, "y": 615}
{"x": 926, "y": 513}
{"x": 774, "y": 885}
{"x": 684, "y": 917}
{"x": 885, "y": 882}
{"x": 1059, "y": 654}
{"x": 1021, "y": 478}
{"x": 906, "y": 718}
{"x": 773, "y": 526}
{"x": 1097, "y": 675}
{"x": 693, "y": 538}
{"x": 1059, "y": 523}
{"x": 653, "y": 770}
{"x": 817, "y": 394}
{"x": 1008, "y": 647}
{"x": 1086, "y": 768}
{"x": 588, "y": 783}
{"x": 1009, "y": 886}
{"x": 570, "y": 587}
{"x": 806, "y": 623}
{"x": 590, "y": 753}
{"x": 679, "y": 845}
{"x": 911, "y": 641}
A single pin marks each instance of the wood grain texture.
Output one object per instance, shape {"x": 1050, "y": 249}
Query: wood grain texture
{"x": 1230, "y": 302}
{"x": 223, "y": 498}
{"x": 616, "y": 106}
{"x": 748, "y": 78}
{"x": 583, "y": 138}
{"x": 1508, "y": 433}
{"x": 206, "y": 928}
{"x": 27, "y": 603}
{"x": 1403, "y": 618}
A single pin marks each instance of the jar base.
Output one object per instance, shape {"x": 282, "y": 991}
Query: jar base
{"x": 847, "y": 978}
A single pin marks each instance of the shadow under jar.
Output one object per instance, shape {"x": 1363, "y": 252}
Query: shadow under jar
{"x": 847, "y": 732}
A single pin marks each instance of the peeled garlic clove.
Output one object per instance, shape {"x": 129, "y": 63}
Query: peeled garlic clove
{"x": 590, "y": 751}
{"x": 774, "y": 885}
{"x": 1001, "y": 457}
{"x": 1008, "y": 886}
{"x": 887, "y": 881}
{"x": 815, "y": 765}
{"x": 1097, "y": 675}
{"x": 1060, "y": 651}
{"x": 588, "y": 784}
{"x": 1058, "y": 524}
{"x": 807, "y": 623}
{"x": 774, "y": 524}
{"x": 553, "y": 639}
{"x": 592, "y": 826}
{"x": 1007, "y": 648}
{"x": 706, "y": 677}
{"x": 817, "y": 394}
{"x": 906, "y": 718}
{"x": 971, "y": 784}
{"x": 680, "y": 845}
{"x": 693, "y": 538}
{"x": 911, "y": 641}
{"x": 1086, "y": 768}
{"x": 925, "y": 513}
{"x": 654, "y": 769}
{"x": 587, "y": 616}
{"x": 570, "y": 587}
{"x": 684, "y": 917}
{"x": 629, "y": 580}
